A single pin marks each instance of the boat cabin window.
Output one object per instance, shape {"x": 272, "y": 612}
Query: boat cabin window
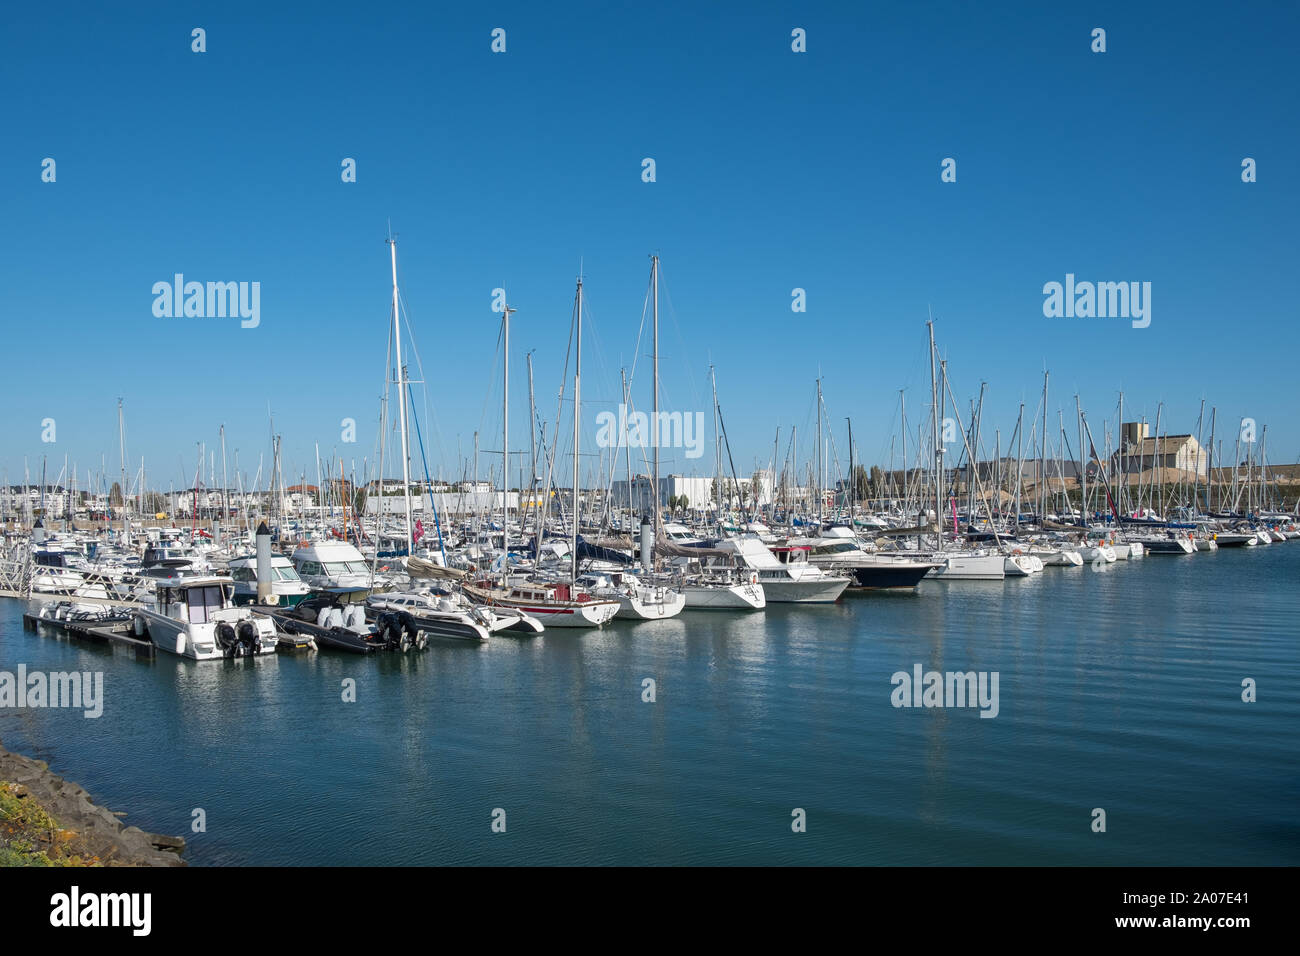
{"x": 203, "y": 603}
{"x": 311, "y": 567}
{"x": 285, "y": 574}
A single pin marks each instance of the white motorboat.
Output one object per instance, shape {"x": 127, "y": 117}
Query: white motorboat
{"x": 195, "y": 616}
{"x": 785, "y": 572}
{"x": 287, "y": 588}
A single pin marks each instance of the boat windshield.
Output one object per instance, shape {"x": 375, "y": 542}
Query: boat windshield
{"x": 286, "y": 574}
{"x": 203, "y": 602}
{"x": 346, "y": 567}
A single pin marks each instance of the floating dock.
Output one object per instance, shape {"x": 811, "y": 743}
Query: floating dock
{"x": 117, "y": 630}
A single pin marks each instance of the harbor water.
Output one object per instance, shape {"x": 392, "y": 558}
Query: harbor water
{"x": 1120, "y": 689}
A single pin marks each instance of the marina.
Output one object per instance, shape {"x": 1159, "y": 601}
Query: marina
{"x": 584, "y": 437}
{"x": 1118, "y": 686}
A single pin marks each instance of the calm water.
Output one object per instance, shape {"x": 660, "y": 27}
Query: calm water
{"x": 1119, "y": 689}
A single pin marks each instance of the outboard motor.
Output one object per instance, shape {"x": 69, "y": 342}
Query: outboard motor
{"x": 249, "y": 639}
{"x": 228, "y": 640}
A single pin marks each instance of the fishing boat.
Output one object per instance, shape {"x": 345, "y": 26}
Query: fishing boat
{"x": 195, "y": 616}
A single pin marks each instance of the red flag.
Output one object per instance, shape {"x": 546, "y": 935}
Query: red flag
{"x": 419, "y": 529}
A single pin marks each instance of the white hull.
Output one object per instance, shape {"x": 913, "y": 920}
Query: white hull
{"x": 1063, "y": 558}
{"x": 724, "y": 597}
{"x": 198, "y": 642}
{"x": 646, "y": 604}
{"x": 1100, "y": 553}
{"x": 587, "y": 614}
{"x": 780, "y": 588}
{"x": 1021, "y": 565}
{"x": 970, "y": 567}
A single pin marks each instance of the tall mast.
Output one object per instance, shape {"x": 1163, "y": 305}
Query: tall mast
{"x": 820, "y": 493}
{"x": 225, "y": 480}
{"x": 627, "y": 446}
{"x": 121, "y": 448}
{"x": 654, "y": 480}
{"x": 577, "y": 417}
{"x": 852, "y": 477}
{"x": 505, "y": 442}
{"x": 938, "y": 445}
{"x": 902, "y": 404}
{"x": 717, "y": 451}
{"x": 532, "y": 429}
{"x": 401, "y": 402}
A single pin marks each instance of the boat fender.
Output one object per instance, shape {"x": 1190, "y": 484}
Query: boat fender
{"x": 138, "y": 626}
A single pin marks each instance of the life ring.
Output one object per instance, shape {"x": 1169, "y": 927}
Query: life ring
{"x": 1017, "y": 551}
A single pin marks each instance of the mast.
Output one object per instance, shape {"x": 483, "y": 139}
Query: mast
{"x": 401, "y": 402}
{"x": 121, "y": 448}
{"x": 717, "y": 451}
{"x": 505, "y": 442}
{"x": 225, "y": 479}
{"x": 853, "y": 490}
{"x": 627, "y": 446}
{"x": 654, "y": 478}
{"x": 939, "y": 446}
{"x": 821, "y": 496}
{"x": 577, "y": 418}
{"x": 532, "y": 432}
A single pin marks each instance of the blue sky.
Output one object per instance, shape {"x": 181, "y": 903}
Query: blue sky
{"x": 775, "y": 170}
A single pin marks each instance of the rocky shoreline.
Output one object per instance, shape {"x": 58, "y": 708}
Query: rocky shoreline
{"x": 86, "y": 834}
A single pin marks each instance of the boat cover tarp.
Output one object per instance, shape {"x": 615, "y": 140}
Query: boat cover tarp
{"x": 418, "y": 567}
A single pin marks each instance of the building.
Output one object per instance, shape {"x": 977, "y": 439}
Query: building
{"x": 1139, "y": 451}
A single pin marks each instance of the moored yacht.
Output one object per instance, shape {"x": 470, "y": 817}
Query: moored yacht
{"x": 554, "y": 604}
{"x": 195, "y": 616}
{"x": 785, "y": 572}
{"x": 287, "y": 588}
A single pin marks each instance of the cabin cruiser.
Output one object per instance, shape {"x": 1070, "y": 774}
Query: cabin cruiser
{"x": 287, "y": 588}
{"x": 334, "y": 564}
{"x": 194, "y": 616}
{"x": 838, "y": 549}
{"x": 785, "y": 572}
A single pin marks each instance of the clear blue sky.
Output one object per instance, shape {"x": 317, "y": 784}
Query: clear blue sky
{"x": 775, "y": 170}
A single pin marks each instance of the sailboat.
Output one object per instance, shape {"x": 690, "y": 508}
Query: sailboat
{"x": 555, "y": 603}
